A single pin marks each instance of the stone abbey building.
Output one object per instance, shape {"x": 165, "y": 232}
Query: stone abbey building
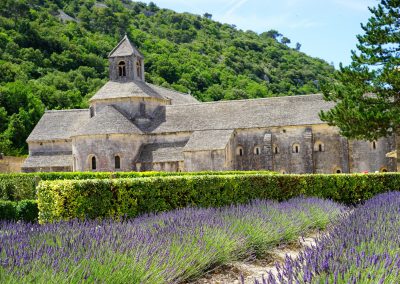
{"x": 135, "y": 126}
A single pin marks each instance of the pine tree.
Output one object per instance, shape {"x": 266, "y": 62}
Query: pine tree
{"x": 367, "y": 92}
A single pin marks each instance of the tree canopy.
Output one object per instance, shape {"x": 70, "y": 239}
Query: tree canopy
{"x": 367, "y": 92}
{"x": 53, "y": 55}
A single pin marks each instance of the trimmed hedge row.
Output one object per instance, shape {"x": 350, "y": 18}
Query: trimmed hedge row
{"x": 26, "y": 210}
{"x": 63, "y": 200}
{"x": 17, "y": 187}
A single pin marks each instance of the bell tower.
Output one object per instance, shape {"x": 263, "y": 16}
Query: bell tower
{"x": 126, "y": 63}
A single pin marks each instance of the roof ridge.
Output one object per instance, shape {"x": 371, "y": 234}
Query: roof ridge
{"x": 121, "y": 113}
{"x": 125, "y": 38}
{"x": 249, "y": 127}
{"x": 66, "y": 110}
{"x": 172, "y": 90}
{"x": 245, "y": 100}
{"x": 118, "y": 45}
{"x": 99, "y": 118}
{"x": 132, "y": 88}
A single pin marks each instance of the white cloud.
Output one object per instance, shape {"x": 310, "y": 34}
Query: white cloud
{"x": 234, "y": 6}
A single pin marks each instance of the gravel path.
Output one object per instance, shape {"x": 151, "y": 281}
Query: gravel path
{"x": 231, "y": 273}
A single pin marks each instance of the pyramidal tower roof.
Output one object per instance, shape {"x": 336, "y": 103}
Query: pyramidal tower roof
{"x": 124, "y": 48}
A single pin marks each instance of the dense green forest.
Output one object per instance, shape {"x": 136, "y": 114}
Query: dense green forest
{"x": 53, "y": 55}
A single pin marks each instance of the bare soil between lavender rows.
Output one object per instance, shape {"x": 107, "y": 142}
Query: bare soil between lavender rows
{"x": 231, "y": 273}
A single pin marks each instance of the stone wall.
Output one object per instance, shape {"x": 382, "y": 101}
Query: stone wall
{"x": 287, "y": 150}
{"x": 291, "y": 149}
{"x": 162, "y": 166}
{"x": 47, "y": 169}
{"x": 50, "y": 147}
{"x": 212, "y": 160}
{"x": 9, "y": 164}
{"x": 104, "y": 148}
{"x": 333, "y": 154}
{"x": 371, "y": 156}
{"x": 309, "y": 149}
{"x": 130, "y": 68}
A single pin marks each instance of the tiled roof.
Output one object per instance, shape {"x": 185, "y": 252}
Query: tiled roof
{"x": 177, "y": 98}
{"x": 255, "y": 113}
{"x": 208, "y": 140}
{"x": 124, "y": 48}
{"x": 47, "y": 161}
{"x": 108, "y": 121}
{"x": 135, "y": 88}
{"x": 59, "y": 124}
{"x": 161, "y": 152}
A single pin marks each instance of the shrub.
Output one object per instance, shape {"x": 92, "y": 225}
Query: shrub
{"x": 26, "y": 210}
{"x": 8, "y": 210}
{"x": 66, "y": 199}
{"x": 17, "y": 187}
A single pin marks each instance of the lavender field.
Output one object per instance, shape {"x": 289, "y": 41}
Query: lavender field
{"x": 362, "y": 248}
{"x": 169, "y": 247}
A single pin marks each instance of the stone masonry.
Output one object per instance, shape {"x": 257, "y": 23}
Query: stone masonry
{"x": 132, "y": 125}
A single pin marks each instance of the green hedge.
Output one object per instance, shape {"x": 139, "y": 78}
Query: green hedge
{"x": 26, "y": 210}
{"x": 15, "y": 187}
{"x": 63, "y": 200}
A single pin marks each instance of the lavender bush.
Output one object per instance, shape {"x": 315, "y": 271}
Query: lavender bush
{"x": 362, "y": 248}
{"x": 165, "y": 248}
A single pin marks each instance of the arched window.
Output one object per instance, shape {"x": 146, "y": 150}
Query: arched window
{"x": 319, "y": 147}
{"x": 139, "y": 69}
{"x": 296, "y": 148}
{"x": 373, "y": 145}
{"x": 94, "y": 165}
{"x": 257, "y": 150}
{"x": 383, "y": 170}
{"x": 276, "y": 150}
{"x": 239, "y": 151}
{"x": 117, "y": 162}
{"x": 121, "y": 69}
{"x": 337, "y": 170}
{"x": 91, "y": 110}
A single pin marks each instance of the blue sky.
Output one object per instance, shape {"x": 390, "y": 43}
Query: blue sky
{"x": 325, "y": 28}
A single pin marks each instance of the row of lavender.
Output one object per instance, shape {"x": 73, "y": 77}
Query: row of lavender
{"x": 166, "y": 248}
{"x": 363, "y": 248}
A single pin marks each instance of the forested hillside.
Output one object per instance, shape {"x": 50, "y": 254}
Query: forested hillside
{"x": 53, "y": 54}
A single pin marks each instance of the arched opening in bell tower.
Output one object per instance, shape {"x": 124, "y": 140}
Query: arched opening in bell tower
{"x": 139, "y": 69}
{"x": 122, "y": 69}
